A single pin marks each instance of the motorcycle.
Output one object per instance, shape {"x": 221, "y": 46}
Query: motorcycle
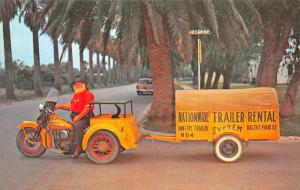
{"x": 50, "y": 131}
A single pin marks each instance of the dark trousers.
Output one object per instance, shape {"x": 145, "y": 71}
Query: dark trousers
{"x": 79, "y": 127}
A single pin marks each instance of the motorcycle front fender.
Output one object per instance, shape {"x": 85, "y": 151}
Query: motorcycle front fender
{"x": 29, "y": 124}
{"x": 46, "y": 137}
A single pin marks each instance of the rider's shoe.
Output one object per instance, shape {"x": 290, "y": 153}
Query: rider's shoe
{"x": 77, "y": 152}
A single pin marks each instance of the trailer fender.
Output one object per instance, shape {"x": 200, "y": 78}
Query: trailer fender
{"x": 216, "y": 138}
{"x": 121, "y": 137}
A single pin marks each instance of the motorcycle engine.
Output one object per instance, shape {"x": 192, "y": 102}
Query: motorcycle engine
{"x": 64, "y": 138}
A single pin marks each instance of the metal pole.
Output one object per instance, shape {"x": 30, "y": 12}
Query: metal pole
{"x": 199, "y": 61}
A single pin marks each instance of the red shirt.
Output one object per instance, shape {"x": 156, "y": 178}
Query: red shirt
{"x": 79, "y": 101}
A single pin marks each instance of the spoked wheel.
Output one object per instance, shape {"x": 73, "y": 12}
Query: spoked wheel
{"x": 103, "y": 147}
{"x": 27, "y": 146}
{"x": 228, "y": 148}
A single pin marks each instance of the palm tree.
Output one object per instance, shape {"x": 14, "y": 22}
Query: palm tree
{"x": 57, "y": 73}
{"x": 70, "y": 63}
{"x": 91, "y": 68}
{"x": 32, "y": 14}
{"x": 278, "y": 18}
{"x": 8, "y": 9}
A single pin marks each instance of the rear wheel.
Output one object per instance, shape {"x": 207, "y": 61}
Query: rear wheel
{"x": 103, "y": 147}
{"x": 228, "y": 148}
{"x": 27, "y": 146}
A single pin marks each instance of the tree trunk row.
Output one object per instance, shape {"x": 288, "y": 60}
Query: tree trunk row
{"x": 9, "y": 71}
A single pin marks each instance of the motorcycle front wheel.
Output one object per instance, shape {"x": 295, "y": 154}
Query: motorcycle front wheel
{"x": 27, "y": 146}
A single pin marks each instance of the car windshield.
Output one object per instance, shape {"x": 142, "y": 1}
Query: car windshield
{"x": 145, "y": 81}
{"x": 52, "y": 96}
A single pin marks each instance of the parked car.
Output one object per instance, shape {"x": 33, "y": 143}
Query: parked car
{"x": 144, "y": 85}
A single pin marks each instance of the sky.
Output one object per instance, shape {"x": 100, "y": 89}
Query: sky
{"x": 22, "y": 46}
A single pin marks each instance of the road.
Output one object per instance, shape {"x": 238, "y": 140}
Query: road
{"x": 154, "y": 165}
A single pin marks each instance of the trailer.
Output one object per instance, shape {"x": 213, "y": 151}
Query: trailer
{"x": 226, "y": 118}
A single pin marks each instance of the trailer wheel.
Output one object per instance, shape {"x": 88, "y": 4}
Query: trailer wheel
{"x": 228, "y": 148}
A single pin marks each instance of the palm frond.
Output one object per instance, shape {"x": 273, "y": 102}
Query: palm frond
{"x": 209, "y": 9}
{"x": 176, "y": 15}
{"x": 8, "y": 9}
{"x": 153, "y": 13}
{"x": 233, "y": 30}
{"x": 128, "y": 30}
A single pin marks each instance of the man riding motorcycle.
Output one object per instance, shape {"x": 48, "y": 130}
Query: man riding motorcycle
{"x": 80, "y": 109}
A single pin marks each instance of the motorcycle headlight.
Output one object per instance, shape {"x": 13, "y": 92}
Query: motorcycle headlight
{"x": 41, "y": 107}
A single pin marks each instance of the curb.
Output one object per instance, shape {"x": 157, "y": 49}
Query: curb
{"x": 289, "y": 139}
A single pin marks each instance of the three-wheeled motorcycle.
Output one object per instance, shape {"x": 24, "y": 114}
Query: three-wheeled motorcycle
{"x": 103, "y": 140}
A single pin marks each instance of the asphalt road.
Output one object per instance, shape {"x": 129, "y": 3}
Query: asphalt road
{"x": 154, "y": 165}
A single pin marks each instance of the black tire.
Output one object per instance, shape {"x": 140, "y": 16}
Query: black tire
{"x": 228, "y": 148}
{"x": 138, "y": 93}
{"x": 103, "y": 153}
{"x": 25, "y": 147}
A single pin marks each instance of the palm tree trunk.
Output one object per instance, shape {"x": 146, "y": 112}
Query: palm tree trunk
{"x": 98, "y": 69}
{"x": 91, "y": 69}
{"x": 115, "y": 72}
{"x": 104, "y": 71}
{"x": 37, "y": 66}
{"x": 275, "y": 41}
{"x": 202, "y": 77}
{"x": 9, "y": 71}
{"x": 56, "y": 65}
{"x": 81, "y": 72}
{"x": 289, "y": 100}
{"x": 162, "y": 109}
{"x": 109, "y": 70}
{"x": 195, "y": 72}
{"x": 216, "y": 80}
{"x": 209, "y": 78}
{"x": 70, "y": 63}
{"x": 227, "y": 76}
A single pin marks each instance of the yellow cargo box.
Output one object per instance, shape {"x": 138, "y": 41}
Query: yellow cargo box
{"x": 249, "y": 114}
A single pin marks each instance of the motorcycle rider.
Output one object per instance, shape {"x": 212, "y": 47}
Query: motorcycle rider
{"x": 80, "y": 109}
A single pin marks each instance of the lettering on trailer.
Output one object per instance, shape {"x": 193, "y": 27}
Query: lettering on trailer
{"x": 226, "y": 117}
{"x": 192, "y": 123}
{"x": 230, "y": 127}
{"x": 189, "y": 124}
{"x": 261, "y": 116}
{"x": 265, "y": 127}
{"x": 193, "y": 117}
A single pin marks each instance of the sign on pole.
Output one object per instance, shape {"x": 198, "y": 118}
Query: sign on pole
{"x": 199, "y": 43}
